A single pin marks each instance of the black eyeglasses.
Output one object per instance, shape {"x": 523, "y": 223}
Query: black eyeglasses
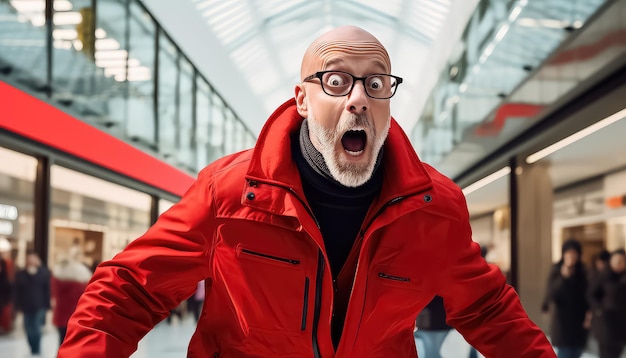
{"x": 339, "y": 83}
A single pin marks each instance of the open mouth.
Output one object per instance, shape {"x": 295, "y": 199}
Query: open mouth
{"x": 354, "y": 141}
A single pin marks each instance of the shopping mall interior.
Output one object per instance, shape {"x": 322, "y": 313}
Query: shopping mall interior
{"x": 110, "y": 109}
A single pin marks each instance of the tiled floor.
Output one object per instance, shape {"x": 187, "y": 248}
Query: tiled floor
{"x": 170, "y": 341}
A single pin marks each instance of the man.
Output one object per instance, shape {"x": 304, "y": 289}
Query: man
{"x": 317, "y": 243}
{"x": 566, "y": 295}
{"x": 33, "y": 299}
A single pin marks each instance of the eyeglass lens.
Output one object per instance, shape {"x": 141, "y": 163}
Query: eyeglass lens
{"x": 376, "y": 86}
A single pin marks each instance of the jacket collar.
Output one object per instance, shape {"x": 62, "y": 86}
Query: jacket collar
{"x": 272, "y": 162}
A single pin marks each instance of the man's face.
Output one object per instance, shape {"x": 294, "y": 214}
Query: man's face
{"x": 570, "y": 257}
{"x": 32, "y": 261}
{"x": 618, "y": 263}
{"x": 348, "y": 131}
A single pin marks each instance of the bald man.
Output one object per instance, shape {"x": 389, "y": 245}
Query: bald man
{"x": 325, "y": 240}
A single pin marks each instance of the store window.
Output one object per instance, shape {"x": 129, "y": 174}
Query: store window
{"x": 185, "y": 143}
{"x": 490, "y": 217}
{"x": 98, "y": 216}
{"x": 217, "y": 127}
{"x": 23, "y": 42}
{"x": 167, "y": 87}
{"x": 141, "y": 126}
{"x": 17, "y": 198}
{"x": 203, "y": 123}
{"x": 74, "y": 72}
{"x": 110, "y": 50}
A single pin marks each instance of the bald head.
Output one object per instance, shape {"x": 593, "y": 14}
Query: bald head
{"x": 332, "y": 46}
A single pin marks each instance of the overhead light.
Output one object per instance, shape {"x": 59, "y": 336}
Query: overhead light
{"x": 486, "y": 180}
{"x": 543, "y": 23}
{"x": 110, "y": 55}
{"x": 62, "y": 5}
{"x": 100, "y": 33}
{"x": 64, "y": 34}
{"x": 78, "y": 45}
{"x": 576, "y": 136}
{"x": 38, "y": 20}
{"x": 117, "y": 63}
{"x": 502, "y": 32}
{"x": 515, "y": 13}
{"x": 67, "y": 18}
{"x": 62, "y": 44}
{"x": 29, "y": 6}
{"x": 107, "y": 44}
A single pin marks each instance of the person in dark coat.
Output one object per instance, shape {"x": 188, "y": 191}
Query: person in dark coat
{"x": 566, "y": 296}
{"x": 608, "y": 300}
{"x": 6, "y": 293}
{"x": 33, "y": 298}
{"x": 600, "y": 264}
{"x": 7, "y": 280}
{"x": 432, "y": 328}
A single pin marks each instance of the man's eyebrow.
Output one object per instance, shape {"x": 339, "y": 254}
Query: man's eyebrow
{"x": 333, "y": 61}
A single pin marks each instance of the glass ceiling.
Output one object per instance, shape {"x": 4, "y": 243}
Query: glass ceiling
{"x": 266, "y": 39}
{"x": 504, "y": 44}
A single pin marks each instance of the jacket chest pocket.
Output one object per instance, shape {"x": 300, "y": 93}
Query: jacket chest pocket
{"x": 391, "y": 277}
{"x": 273, "y": 290}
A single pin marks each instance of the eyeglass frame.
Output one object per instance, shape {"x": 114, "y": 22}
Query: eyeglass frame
{"x": 319, "y": 75}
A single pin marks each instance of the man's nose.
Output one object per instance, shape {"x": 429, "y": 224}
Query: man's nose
{"x": 357, "y": 99}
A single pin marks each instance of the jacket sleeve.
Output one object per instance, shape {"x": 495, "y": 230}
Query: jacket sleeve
{"x": 481, "y": 306}
{"x": 136, "y": 289}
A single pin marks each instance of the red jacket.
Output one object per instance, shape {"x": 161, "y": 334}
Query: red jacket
{"x": 245, "y": 226}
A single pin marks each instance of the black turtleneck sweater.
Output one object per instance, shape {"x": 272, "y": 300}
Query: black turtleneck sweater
{"x": 339, "y": 210}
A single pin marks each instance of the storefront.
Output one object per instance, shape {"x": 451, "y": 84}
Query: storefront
{"x": 99, "y": 216}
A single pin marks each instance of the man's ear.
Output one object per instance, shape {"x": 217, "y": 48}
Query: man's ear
{"x": 301, "y": 100}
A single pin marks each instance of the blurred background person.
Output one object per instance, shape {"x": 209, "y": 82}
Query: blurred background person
{"x": 194, "y": 303}
{"x": 69, "y": 279}
{"x": 6, "y": 287}
{"x": 607, "y": 296}
{"x": 431, "y": 329}
{"x": 600, "y": 264}
{"x": 566, "y": 298}
{"x": 33, "y": 298}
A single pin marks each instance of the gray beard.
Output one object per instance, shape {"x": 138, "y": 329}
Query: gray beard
{"x": 312, "y": 156}
{"x": 315, "y": 159}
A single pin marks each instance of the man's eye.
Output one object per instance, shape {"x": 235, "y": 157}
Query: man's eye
{"x": 335, "y": 80}
{"x": 376, "y": 83}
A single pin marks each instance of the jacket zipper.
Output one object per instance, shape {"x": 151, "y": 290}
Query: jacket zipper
{"x": 380, "y": 211}
{"x": 394, "y": 278}
{"x": 318, "y": 302}
{"x": 319, "y": 279}
{"x": 306, "y": 304}
{"x": 270, "y": 257}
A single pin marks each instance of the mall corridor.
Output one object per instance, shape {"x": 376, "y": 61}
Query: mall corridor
{"x": 178, "y": 137}
{"x": 170, "y": 341}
